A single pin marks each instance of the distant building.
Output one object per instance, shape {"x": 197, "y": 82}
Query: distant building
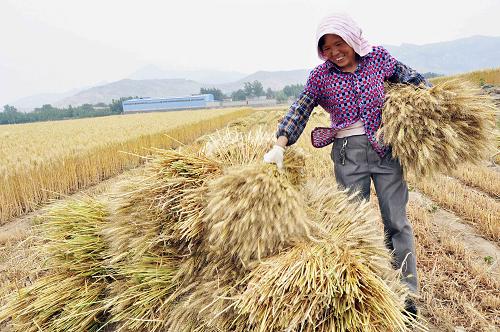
{"x": 166, "y": 104}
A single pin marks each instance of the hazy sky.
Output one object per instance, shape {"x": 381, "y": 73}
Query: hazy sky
{"x": 57, "y": 45}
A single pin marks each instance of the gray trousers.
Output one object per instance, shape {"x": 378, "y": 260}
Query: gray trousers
{"x": 355, "y": 165}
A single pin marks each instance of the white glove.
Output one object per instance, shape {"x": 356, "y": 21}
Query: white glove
{"x": 275, "y": 156}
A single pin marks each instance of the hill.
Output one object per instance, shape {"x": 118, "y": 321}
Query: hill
{"x": 275, "y": 80}
{"x": 452, "y": 57}
{"x": 446, "y": 58}
{"x": 127, "y": 87}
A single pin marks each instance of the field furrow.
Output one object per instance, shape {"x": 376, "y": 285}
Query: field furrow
{"x": 479, "y": 209}
{"x": 483, "y": 178}
{"x": 456, "y": 290}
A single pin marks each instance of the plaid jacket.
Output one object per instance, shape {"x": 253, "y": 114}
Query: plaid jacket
{"x": 349, "y": 97}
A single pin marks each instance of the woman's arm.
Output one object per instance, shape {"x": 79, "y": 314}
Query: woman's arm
{"x": 290, "y": 128}
{"x": 404, "y": 74}
{"x": 294, "y": 122}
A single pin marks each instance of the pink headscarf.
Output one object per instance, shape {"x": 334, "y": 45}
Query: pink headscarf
{"x": 347, "y": 29}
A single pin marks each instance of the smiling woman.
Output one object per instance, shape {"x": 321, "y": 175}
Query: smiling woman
{"x": 335, "y": 49}
{"x": 349, "y": 85}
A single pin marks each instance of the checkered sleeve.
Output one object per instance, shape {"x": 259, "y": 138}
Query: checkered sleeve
{"x": 293, "y": 123}
{"x": 404, "y": 74}
{"x": 386, "y": 60}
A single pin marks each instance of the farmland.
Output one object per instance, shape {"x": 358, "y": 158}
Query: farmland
{"x": 41, "y": 161}
{"x": 456, "y": 217}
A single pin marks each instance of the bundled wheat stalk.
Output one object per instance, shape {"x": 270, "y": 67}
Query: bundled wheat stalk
{"x": 154, "y": 232}
{"x": 161, "y": 208}
{"x": 204, "y": 305}
{"x": 434, "y": 130}
{"x": 136, "y": 224}
{"x": 348, "y": 222}
{"x": 234, "y": 148}
{"x": 181, "y": 179}
{"x": 319, "y": 287}
{"x": 69, "y": 297}
{"x": 139, "y": 299}
{"x": 342, "y": 283}
{"x": 254, "y": 212}
{"x": 72, "y": 234}
{"x": 58, "y": 302}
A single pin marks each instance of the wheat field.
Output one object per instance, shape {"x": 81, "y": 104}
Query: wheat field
{"x": 45, "y": 160}
{"x": 458, "y": 270}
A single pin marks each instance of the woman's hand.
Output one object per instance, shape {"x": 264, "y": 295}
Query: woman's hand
{"x": 275, "y": 156}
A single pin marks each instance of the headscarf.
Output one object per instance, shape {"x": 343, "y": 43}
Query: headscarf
{"x": 345, "y": 27}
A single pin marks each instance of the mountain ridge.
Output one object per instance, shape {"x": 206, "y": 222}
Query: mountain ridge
{"x": 449, "y": 57}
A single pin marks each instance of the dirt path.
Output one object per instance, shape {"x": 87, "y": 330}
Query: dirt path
{"x": 480, "y": 248}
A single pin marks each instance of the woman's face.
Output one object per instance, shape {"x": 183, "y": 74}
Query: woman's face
{"x": 339, "y": 52}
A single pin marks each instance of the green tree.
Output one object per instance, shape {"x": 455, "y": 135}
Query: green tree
{"x": 9, "y": 109}
{"x": 10, "y": 115}
{"x": 248, "y": 89}
{"x": 217, "y": 93}
{"x": 239, "y": 95}
{"x": 270, "y": 94}
{"x": 116, "y": 106}
{"x": 257, "y": 89}
{"x": 293, "y": 90}
{"x": 281, "y": 97}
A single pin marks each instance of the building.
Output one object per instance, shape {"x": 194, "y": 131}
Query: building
{"x": 167, "y": 104}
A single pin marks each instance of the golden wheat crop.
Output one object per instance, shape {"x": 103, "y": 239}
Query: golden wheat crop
{"x": 40, "y": 161}
{"x": 481, "y": 177}
{"x": 486, "y": 76}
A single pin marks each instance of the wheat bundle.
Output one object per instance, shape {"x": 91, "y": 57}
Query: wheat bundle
{"x": 135, "y": 225}
{"x": 344, "y": 282}
{"x": 318, "y": 287}
{"x": 161, "y": 208}
{"x": 253, "y": 212}
{"x": 72, "y": 233}
{"x": 155, "y": 233}
{"x": 69, "y": 297}
{"x": 58, "y": 302}
{"x": 179, "y": 190}
{"x": 234, "y": 148}
{"x": 434, "y": 130}
{"x": 140, "y": 298}
{"x": 348, "y": 222}
{"x": 205, "y": 306}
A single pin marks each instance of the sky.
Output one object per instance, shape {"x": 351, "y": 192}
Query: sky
{"x": 53, "y": 46}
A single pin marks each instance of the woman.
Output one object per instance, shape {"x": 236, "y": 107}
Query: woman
{"x": 349, "y": 85}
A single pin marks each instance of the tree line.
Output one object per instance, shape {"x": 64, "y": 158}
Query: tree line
{"x": 255, "y": 89}
{"x": 11, "y": 115}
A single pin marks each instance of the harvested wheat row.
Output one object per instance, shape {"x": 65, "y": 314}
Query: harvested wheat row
{"x": 434, "y": 130}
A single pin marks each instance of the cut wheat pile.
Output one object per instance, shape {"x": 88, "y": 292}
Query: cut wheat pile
{"x": 436, "y": 129}
{"x": 211, "y": 239}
